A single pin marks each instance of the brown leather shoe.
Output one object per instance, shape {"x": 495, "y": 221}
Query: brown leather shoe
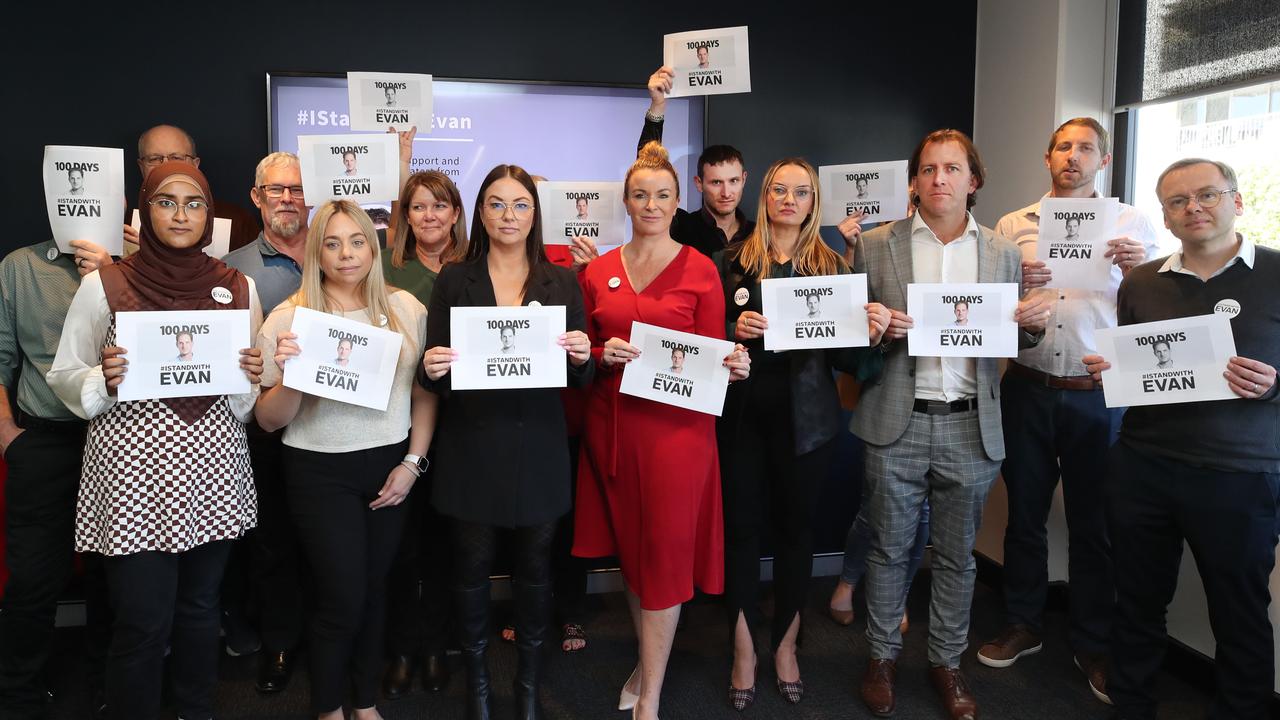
{"x": 955, "y": 693}
{"x": 877, "y": 687}
{"x": 1095, "y": 669}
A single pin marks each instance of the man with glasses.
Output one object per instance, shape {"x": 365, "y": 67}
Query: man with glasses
{"x": 931, "y": 425}
{"x": 164, "y": 143}
{"x": 274, "y": 261}
{"x": 1057, "y": 424}
{"x": 720, "y": 179}
{"x": 1207, "y": 473}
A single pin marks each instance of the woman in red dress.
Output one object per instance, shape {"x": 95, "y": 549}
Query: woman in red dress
{"x": 649, "y": 478}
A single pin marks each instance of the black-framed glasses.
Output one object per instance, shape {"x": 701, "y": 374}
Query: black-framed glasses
{"x": 1207, "y": 198}
{"x": 192, "y": 207}
{"x": 277, "y": 191}
{"x": 153, "y": 160}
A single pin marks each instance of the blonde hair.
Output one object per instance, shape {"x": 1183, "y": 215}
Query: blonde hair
{"x": 403, "y": 243}
{"x": 812, "y": 256}
{"x": 311, "y": 294}
{"x": 652, "y": 157}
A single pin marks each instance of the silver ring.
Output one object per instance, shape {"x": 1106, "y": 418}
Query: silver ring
{"x": 79, "y": 262}
{"x": 1255, "y": 387}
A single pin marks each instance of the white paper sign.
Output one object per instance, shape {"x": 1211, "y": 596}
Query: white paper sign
{"x": 183, "y": 353}
{"x": 962, "y": 319}
{"x": 345, "y": 360}
{"x": 84, "y": 195}
{"x": 877, "y": 189}
{"x": 1170, "y": 361}
{"x": 815, "y": 312}
{"x": 378, "y": 101}
{"x": 1072, "y": 240}
{"x": 221, "y": 244}
{"x": 363, "y": 168}
{"x": 678, "y": 368}
{"x": 708, "y": 62}
{"x": 583, "y": 209}
{"x": 501, "y": 348}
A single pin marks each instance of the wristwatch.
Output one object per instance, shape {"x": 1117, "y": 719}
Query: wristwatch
{"x": 418, "y": 461}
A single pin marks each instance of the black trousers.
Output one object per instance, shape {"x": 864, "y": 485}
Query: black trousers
{"x": 419, "y": 593}
{"x": 40, "y": 503}
{"x": 349, "y": 548}
{"x": 768, "y": 491}
{"x": 476, "y": 545}
{"x": 278, "y": 571}
{"x": 164, "y": 600}
{"x": 1050, "y": 433}
{"x": 1229, "y": 519}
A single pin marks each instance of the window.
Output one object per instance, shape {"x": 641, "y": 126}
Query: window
{"x": 1240, "y": 127}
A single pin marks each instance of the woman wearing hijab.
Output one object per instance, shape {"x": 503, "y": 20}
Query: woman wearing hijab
{"x": 167, "y": 483}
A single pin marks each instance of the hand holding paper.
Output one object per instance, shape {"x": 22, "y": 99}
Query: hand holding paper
{"x": 114, "y": 366}
{"x": 750, "y": 326}
{"x": 1126, "y": 252}
{"x": 286, "y": 347}
{"x": 739, "y": 364}
{"x": 577, "y": 345}
{"x": 437, "y": 361}
{"x": 1033, "y": 311}
{"x": 89, "y": 256}
{"x": 1250, "y": 379}
{"x": 1035, "y": 274}
{"x": 899, "y": 324}
{"x": 251, "y": 363}
{"x": 618, "y": 352}
{"x": 878, "y": 318}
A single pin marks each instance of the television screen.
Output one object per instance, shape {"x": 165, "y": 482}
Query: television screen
{"x": 559, "y": 131}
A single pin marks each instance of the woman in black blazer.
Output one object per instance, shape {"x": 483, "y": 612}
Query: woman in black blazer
{"x": 501, "y": 459}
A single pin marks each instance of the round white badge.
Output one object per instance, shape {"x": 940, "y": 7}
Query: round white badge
{"x": 221, "y": 295}
{"x": 534, "y": 303}
{"x": 382, "y": 321}
{"x": 1228, "y": 307}
{"x": 615, "y": 282}
{"x": 52, "y": 254}
{"x": 741, "y": 296}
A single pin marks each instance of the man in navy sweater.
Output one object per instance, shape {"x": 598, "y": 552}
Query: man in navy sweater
{"x": 1208, "y": 472}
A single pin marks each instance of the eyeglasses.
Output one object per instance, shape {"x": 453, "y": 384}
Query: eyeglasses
{"x": 192, "y": 207}
{"x": 152, "y": 160}
{"x": 1206, "y": 199}
{"x": 779, "y": 192}
{"x": 277, "y": 191}
{"x": 496, "y": 209}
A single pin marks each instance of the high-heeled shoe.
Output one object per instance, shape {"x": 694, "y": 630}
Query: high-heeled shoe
{"x": 742, "y": 699}
{"x": 626, "y": 699}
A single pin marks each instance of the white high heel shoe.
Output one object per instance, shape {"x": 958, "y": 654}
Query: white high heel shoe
{"x": 627, "y": 700}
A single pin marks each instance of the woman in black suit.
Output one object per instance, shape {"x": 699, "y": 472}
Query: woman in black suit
{"x": 501, "y": 458}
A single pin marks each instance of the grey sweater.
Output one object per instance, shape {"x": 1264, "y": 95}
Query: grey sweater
{"x": 1229, "y": 435}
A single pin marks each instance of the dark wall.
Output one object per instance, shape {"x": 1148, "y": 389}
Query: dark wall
{"x": 861, "y": 87}
{"x": 865, "y": 87}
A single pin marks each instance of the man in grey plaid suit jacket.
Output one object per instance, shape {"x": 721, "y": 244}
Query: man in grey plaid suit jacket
{"x": 931, "y": 425}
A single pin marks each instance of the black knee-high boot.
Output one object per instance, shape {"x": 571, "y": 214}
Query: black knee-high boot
{"x": 473, "y": 617}
{"x": 533, "y": 608}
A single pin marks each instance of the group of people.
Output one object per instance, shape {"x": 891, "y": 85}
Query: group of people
{"x": 381, "y": 527}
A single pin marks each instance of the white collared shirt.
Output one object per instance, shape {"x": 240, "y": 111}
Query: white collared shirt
{"x": 933, "y": 261}
{"x": 1244, "y": 254}
{"x": 1076, "y": 314}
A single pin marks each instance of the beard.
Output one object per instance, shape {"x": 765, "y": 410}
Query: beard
{"x": 286, "y": 225}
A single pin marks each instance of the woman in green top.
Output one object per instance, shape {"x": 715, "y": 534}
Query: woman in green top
{"x": 428, "y": 229}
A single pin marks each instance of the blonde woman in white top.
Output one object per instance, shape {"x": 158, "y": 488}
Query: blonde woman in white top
{"x": 347, "y": 468}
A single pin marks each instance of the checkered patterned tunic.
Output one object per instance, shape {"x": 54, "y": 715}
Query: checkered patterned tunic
{"x": 152, "y": 482}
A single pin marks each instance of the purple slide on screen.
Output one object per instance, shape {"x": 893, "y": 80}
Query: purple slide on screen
{"x": 562, "y": 132}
